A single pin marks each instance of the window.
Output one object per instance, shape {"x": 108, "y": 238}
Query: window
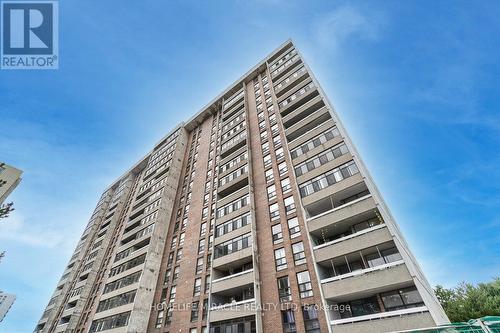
{"x": 197, "y": 287}
{"x": 267, "y": 161}
{"x": 114, "y": 321}
{"x": 299, "y": 256}
{"x": 296, "y": 95}
{"x": 288, "y": 319}
{"x": 233, "y": 206}
{"x": 179, "y": 255}
{"x": 173, "y": 293}
{"x": 283, "y": 169}
{"x": 284, "y": 291}
{"x": 127, "y": 265}
{"x": 177, "y": 270}
{"x": 181, "y": 239}
{"x": 401, "y": 299}
{"x": 305, "y": 286}
{"x": 289, "y": 205}
{"x": 207, "y": 284}
{"x": 194, "y": 311}
{"x": 166, "y": 279}
{"x": 274, "y": 212}
{"x": 123, "y": 282}
{"x": 170, "y": 312}
{"x": 315, "y": 142}
{"x": 321, "y": 159}
{"x": 263, "y": 138}
{"x": 271, "y": 192}
{"x": 116, "y": 301}
{"x": 233, "y": 245}
{"x": 201, "y": 246}
{"x": 328, "y": 179}
{"x": 199, "y": 265}
{"x": 265, "y": 147}
{"x": 391, "y": 255}
{"x": 311, "y": 321}
{"x": 193, "y": 330}
{"x": 272, "y": 118}
{"x": 233, "y": 224}
{"x": 277, "y": 233}
{"x": 159, "y": 319}
{"x": 174, "y": 242}
{"x": 170, "y": 259}
{"x": 277, "y": 142}
{"x": 269, "y": 175}
{"x": 279, "y": 153}
{"x": 262, "y": 125}
{"x": 293, "y": 227}
{"x": 280, "y": 259}
{"x": 203, "y": 229}
{"x": 285, "y": 185}
{"x": 274, "y": 129}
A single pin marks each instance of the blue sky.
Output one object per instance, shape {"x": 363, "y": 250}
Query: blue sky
{"x": 415, "y": 83}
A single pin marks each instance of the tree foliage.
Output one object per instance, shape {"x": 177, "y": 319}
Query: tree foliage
{"x": 467, "y": 301}
{"x": 6, "y": 209}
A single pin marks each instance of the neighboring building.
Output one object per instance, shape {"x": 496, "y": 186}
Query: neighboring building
{"x": 9, "y": 178}
{"x": 259, "y": 200}
{"x": 6, "y": 301}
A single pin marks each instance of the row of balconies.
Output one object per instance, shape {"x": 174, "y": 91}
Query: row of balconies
{"x": 285, "y": 67}
{"x": 349, "y": 236}
{"x": 236, "y": 108}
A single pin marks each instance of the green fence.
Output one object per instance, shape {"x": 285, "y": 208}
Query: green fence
{"x": 490, "y": 324}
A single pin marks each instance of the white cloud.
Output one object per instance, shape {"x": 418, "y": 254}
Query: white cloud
{"x": 14, "y": 229}
{"x": 346, "y": 22}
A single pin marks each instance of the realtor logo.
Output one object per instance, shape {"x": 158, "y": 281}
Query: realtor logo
{"x": 29, "y": 34}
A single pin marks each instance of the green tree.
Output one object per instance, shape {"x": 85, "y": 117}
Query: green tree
{"x": 467, "y": 301}
{"x": 6, "y": 209}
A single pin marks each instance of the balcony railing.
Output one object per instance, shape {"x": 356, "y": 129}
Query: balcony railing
{"x": 363, "y": 271}
{"x": 380, "y": 315}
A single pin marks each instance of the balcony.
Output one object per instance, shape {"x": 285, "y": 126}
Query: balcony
{"x": 368, "y": 280}
{"x": 234, "y": 144}
{"x": 326, "y": 216}
{"x": 233, "y": 281}
{"x": 303, "y": 126}
{"x": 372, "y": 311}
{"x": 69, "y": 311}
{"x": 233, "y": 110}
{"x": 290, "y": 81}
{"x": 303, "y": 111}
{"x": 373, "y": 237}
{"x": 291, "y": 63}
{"x": 324, "y": 168}
{"x": 233, "y": 185}
{"x": 353, "y": 183}
{"x": 234, "y": 259}
{"x": 235, "y": 97}
{"x": 288, "y": 104}
{"x": 62, "y": 327}
{"x": 233, "y": 155}
{"x": 233, "y": 303}
{"x": 114, "y": 311}
{"x": 233, "y": 234}
{"x": 310, "y": 134}
{"x": 385, "y": 321}
{"x": 232, "y": 122}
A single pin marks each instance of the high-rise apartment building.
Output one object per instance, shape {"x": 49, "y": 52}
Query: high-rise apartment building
{"x": 256, "y": 215}
{"x": 9, "y": 179}
{"x": 6, "y": 301}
